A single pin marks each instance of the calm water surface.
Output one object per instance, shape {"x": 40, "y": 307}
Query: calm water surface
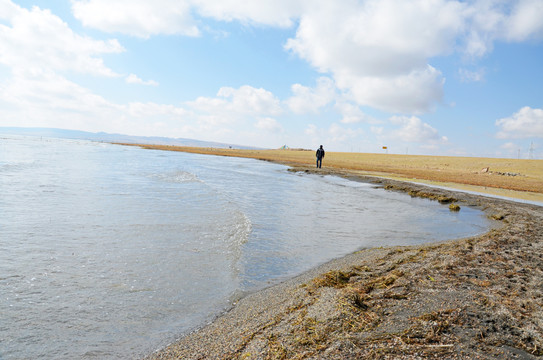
{"x": 109, "y": 252}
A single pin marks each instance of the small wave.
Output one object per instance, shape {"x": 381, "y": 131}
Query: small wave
{"x": 17, "y": 166}
{"x": 241, "y": 230}
{"x": 233, "y": 232}
{"x": 177, "y": 177}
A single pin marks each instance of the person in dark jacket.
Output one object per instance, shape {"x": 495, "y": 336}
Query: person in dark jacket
{"x": 320, "y": 156}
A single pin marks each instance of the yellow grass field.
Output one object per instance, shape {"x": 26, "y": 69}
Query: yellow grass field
{"x": 507, "y": 177}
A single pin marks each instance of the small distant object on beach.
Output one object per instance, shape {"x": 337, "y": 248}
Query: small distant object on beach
{"x": 454, "y": 207}
{"x": 487, "y": 171}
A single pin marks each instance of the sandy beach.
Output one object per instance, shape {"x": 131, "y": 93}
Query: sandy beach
{"x": 474, "y": 298}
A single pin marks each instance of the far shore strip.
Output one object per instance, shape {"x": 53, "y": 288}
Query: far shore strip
{"x": 511, "y": 178}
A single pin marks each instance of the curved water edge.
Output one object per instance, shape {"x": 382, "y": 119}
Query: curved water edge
{"x": 112, "y": 251}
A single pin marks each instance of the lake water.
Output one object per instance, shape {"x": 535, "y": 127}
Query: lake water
{"x": 109, "y": 252}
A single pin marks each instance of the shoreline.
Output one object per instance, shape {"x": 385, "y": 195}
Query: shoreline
{"x": 479, "y": 297}
{"x": 522, "y": 179}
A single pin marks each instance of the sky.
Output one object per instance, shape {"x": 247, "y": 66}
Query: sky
{"x": 432, "y": 77}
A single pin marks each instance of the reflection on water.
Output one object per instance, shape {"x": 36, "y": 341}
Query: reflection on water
{"x": 109, "y": 251}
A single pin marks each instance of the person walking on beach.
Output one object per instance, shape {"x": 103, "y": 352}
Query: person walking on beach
{"x": 320, "y": 156}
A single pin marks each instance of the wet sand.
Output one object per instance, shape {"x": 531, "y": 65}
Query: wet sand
{"x": 480, "y": 297}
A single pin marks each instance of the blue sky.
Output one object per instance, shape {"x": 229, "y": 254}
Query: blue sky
{"x": 437, "y": 77}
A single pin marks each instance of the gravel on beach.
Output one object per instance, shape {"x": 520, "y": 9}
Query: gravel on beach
{"x": 474, "y": 298}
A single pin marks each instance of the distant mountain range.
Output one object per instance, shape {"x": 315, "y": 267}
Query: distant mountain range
{"x": 114, "y": 138}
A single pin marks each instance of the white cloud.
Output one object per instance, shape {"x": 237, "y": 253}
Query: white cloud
{"x": 378, "y": 50}
{"x": 412, "y": 93}
{"x": 412, "y": 129}
{"x": 234, "y": 109}
{"x": 8, "y": 10}
{"x": 471, "y": 76}
{"x": 525, "y": 21}
{"x": 335, "y": 136}
{"x": 50, "y": 100}
{"x": 279, "y": 13}
{"x": 140, "y": 18}
{"x": 145, "y": 110}
{"x": 134, "y": 79}
{"x": 525, "y": 123}
{"x": 489, "y": 21}
{"x": 310, "y": 100}
{"x": 339, "y": 134}
{"x": 235, "y": 105}
{"x": 483, "y": 20}
{"x": 42, "y": 51}
{"x": 510, "y": 146}
{"x": 269, "y": 125}
{"x": 144, "y": 18}
{"x": 311, "y": 130}
{"x": 352, "y": 114}
{"x": 250, "y": 100}
{"x": 50, "y": 97}
{"x": 36, "y": 40}
{"x": 377, "y": 130}
{"x": 371, "y": 38}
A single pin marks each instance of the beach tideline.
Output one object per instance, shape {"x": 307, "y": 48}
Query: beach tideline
{"x": 474, "y": 298}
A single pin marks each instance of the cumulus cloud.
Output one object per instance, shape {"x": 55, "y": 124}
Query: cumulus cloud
{"x": 524, "y": 21}
{"x": 525, "y": 123}
{"x": 233, "y": 107}
{"x": 334, "y": 136}
{"x": 311, "y": 130}
{"x": 489, "y": 21}
{"x": 139, "y": 18}
{"x": 142, "y": 110}
{"x": 50, "y": 100}
{"x": 42, "y": 52}
{"x": 352, "y": 114}
{"x": 42, "y": 94}
{"x": 134, "y": 79}
{"x": 38, "y": 41}
{"x": 269, "y": 124}
{"x": 8, "y": 10}
{"x": 412, "y": 93}
{"x": 250, "y": 100}
{"x": 339, "y": 134}
{"x": 280, "y": 13}
{"x": 145, "y": 18}
{"x": 243, "y": 115}
{"x": 509, "y": 146}
{"x": 378, "y": 51}
{"x": 377, "y": 130}
{"x": 310, "y": 100}
{"x": 412, "y": 129}
{"x": 471, "y": 76}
